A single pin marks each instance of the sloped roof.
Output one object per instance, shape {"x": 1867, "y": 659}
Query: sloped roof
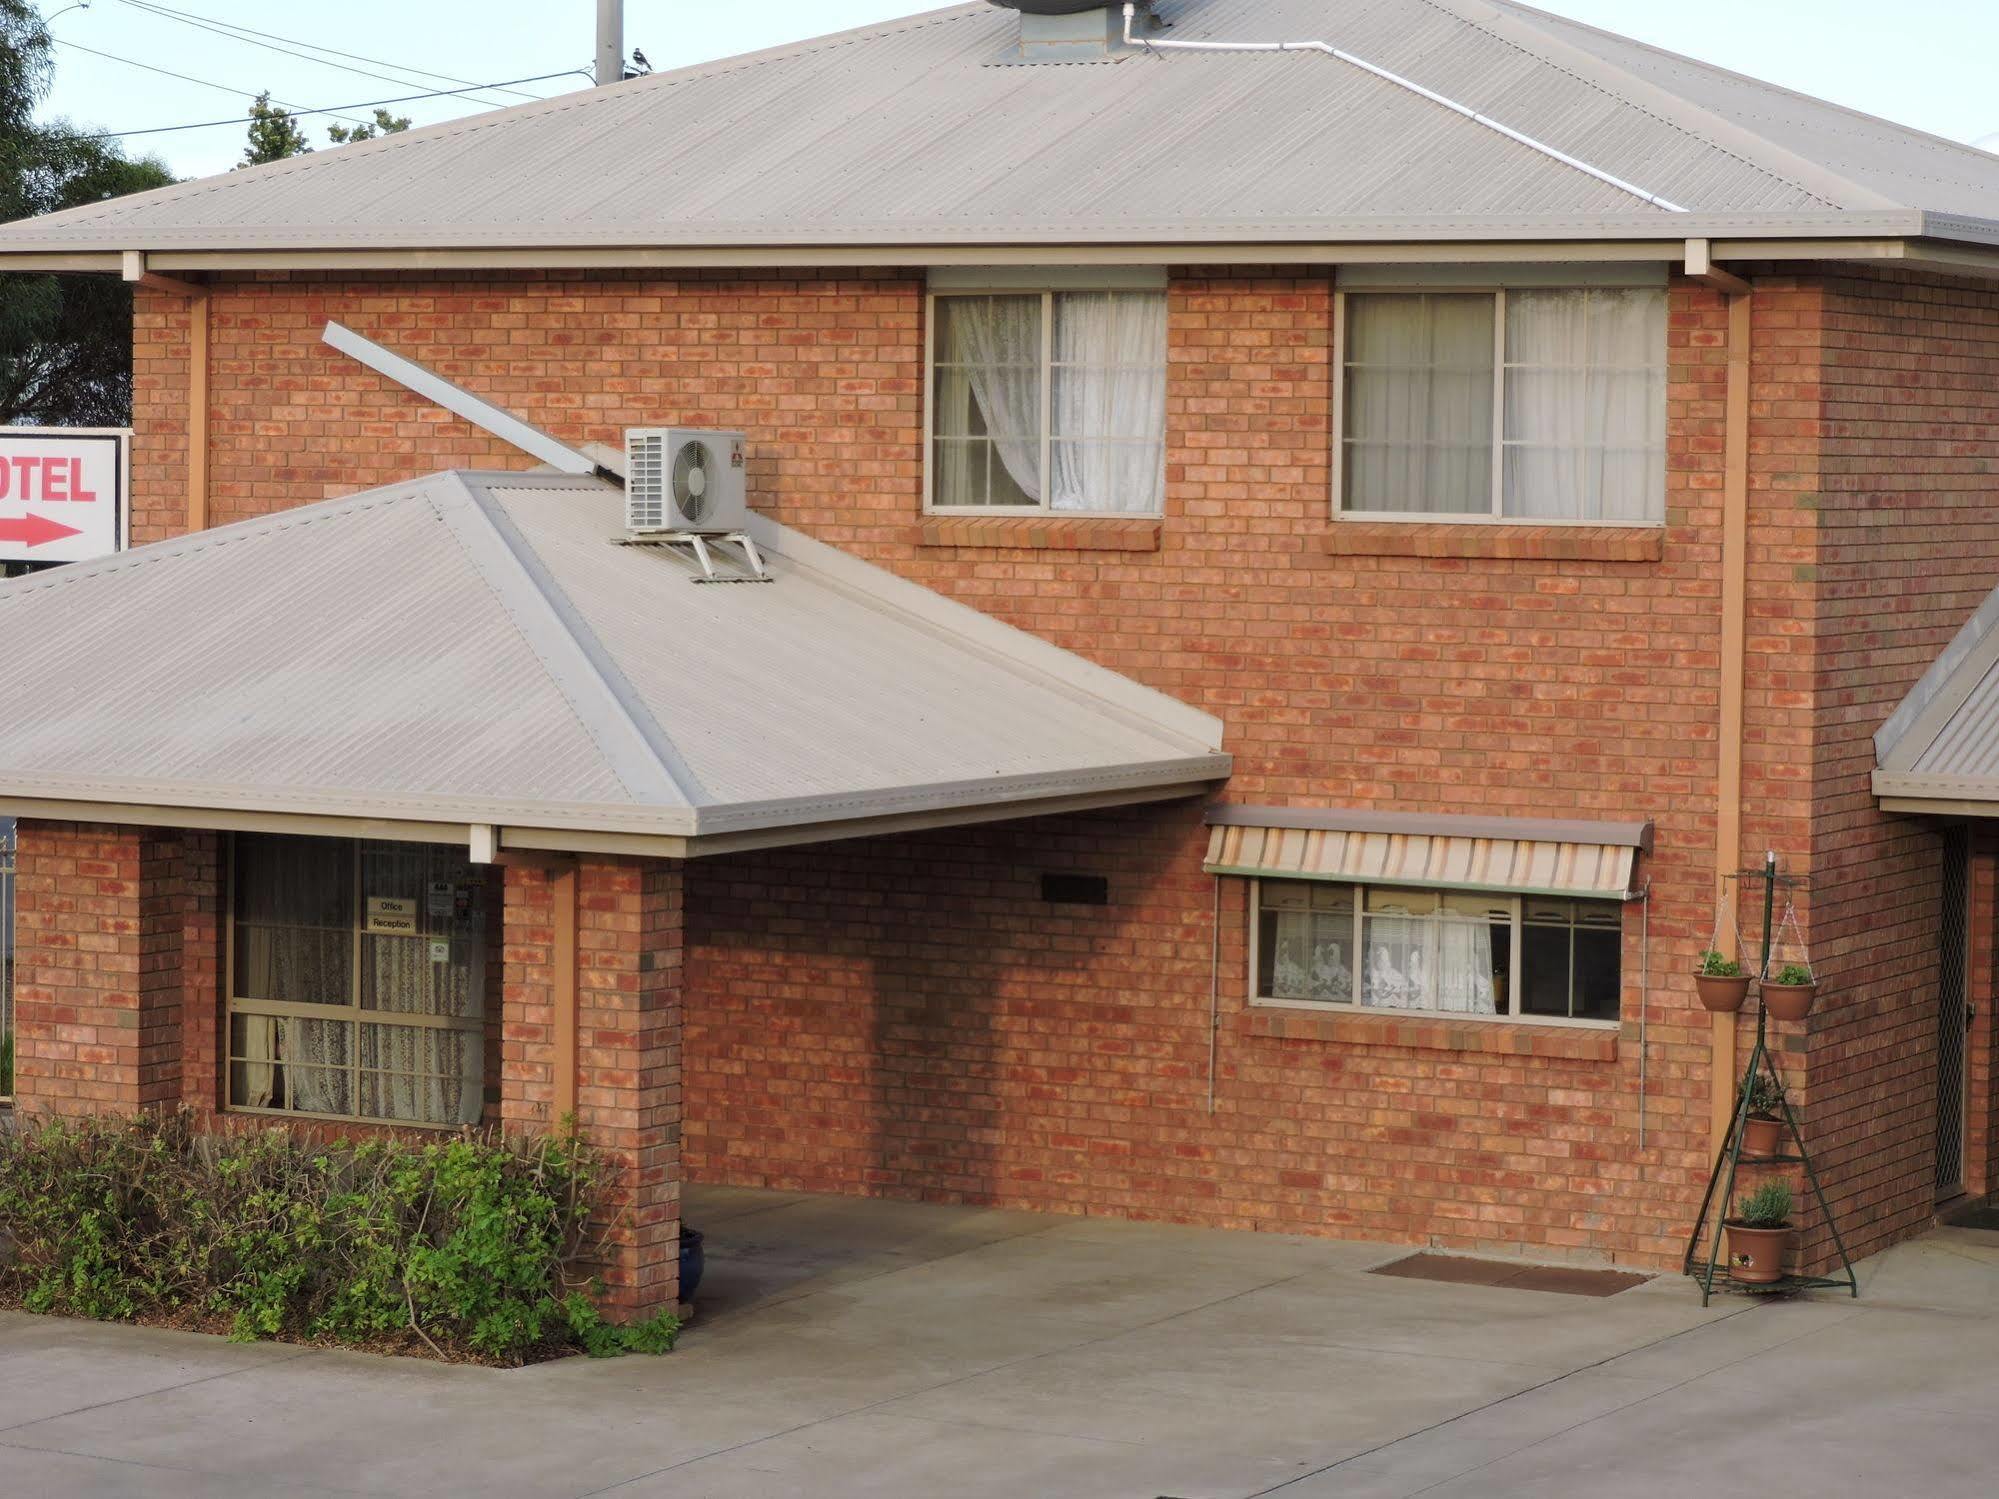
{"x": 931, "y": 131}
{"x": 475, "y": 648}
{"x": 1942, "y": 743}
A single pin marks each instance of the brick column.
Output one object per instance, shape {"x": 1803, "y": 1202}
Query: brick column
{"x": 98, "y": 992}
{"x": 627, "y": 1050}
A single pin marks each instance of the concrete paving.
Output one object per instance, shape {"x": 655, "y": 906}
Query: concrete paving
{"x": 888, "y": 1349}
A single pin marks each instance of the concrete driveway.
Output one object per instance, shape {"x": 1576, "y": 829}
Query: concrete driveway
{"x": 884, "y": 1349}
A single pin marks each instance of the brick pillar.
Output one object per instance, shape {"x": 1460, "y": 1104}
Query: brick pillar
{"x": 97, "y": 995}
{"x": 626, "y": 1086}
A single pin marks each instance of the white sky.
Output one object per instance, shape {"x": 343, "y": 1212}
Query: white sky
{"x": 1931, "y": 66}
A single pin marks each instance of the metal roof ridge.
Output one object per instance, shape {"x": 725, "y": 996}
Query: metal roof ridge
{"x": 635, "y": 747}
{"x": 1074, "y": 675}
{"x": 1506, "y": 21}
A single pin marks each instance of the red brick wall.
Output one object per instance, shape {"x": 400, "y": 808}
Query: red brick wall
{"x": 1584, "y": 685}
{"x": 628, "y": 1052}
{"x": 1908, "y": 547}
{"x": 97, "y": 997}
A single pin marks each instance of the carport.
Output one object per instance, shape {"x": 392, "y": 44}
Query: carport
{"x": 377, "y": 811}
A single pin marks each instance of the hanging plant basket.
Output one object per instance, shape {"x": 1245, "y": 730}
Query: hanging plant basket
{"x": 1721, "y": 983}
{"x": 1790, "y": 994}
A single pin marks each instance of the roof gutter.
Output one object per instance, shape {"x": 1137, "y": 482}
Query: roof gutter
{"x": 1532, "y": 144}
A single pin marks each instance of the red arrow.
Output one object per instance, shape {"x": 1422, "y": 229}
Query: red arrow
{"x": 35, "y": 529}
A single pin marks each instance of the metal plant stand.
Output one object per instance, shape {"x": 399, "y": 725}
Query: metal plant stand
{"x": 1713, "y": 1276}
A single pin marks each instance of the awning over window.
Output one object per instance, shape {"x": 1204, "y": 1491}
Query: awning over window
{"x": 1527, "y": 856}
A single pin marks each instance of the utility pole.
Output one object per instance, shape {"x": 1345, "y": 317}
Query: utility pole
{"x": 610, "y": 41}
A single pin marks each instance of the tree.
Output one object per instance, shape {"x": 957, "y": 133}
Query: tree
{"x": 385, "y": 124}
{"x": 274, "y": 133}
{"x": 65, "y": 341}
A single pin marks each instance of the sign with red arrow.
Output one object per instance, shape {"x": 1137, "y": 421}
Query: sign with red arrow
{"x": 62, "y": 492}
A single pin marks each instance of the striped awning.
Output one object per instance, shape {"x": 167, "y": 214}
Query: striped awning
{"x": 1523, "y": 856}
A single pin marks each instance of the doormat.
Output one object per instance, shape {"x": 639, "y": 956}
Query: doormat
{"x": 1558, "y": 1279}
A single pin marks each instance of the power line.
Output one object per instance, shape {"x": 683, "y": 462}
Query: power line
{"x": 221, "y": 88}
{"x": 330, "y": 109}
{"x": 225, "y": 30}
{"x": 250, "y": 31}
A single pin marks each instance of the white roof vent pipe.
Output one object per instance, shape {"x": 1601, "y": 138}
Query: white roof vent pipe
{"x": 1132, "y": 12}
{"x": 1070, "y": 30}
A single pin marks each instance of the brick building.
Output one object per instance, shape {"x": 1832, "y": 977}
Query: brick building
{"x": 1545, "y": 521}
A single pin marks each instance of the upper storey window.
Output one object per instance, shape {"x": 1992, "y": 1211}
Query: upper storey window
{"x": 1048, "y": 400}
{"x": 1523, "y": 405}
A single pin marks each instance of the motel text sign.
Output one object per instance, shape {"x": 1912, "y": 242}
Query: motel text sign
{"x": 62, "y": 492}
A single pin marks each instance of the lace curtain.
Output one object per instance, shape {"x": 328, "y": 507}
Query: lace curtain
{"x": 1107, "y": 448}
{"x": 295, "y": 944}
{"x": 1427, "y": 963}
{"x": 1106, "y": 404}
{"x": 1585, "y": 431}
{"x": 1418, "y": 422}
{"x": 989, "y": 348}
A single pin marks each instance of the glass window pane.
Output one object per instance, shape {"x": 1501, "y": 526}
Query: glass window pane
{"x": 423, "y": 930}
{"x": 295, "y": 965}
{"x": 1598, "y": 984}
{"x": 1108, "y": 403}
{"x": 294, "y": 881}
{"x": 281, "y": 1063}
{"x": 1544, "y": 969}
{"x": 421, "y": 1074}
{"x": 986, "y": 400}
{"x": 1417, "y": 423}
{"x": 1305, "y": 941}
{"x": 1585, "y": 420}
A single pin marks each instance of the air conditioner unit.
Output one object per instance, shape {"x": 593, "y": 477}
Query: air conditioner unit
{"x": 678, "y": 480}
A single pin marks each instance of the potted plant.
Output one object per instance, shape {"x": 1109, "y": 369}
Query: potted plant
{"x": 1760, "y": 1234}
{"x": 1789, "y": 995}
{"x": 1763, "y": 1130}
{"x": 1722, "y": 984}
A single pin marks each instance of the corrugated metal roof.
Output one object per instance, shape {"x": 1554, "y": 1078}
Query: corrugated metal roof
{"x": 1942, "y": 741}
{"x": 1432, "y": 861}
{"x": 915, "y": 132}
{"x": 477, "y": 648}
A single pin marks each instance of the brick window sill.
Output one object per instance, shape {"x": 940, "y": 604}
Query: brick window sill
{"x": 1496, "y": 541}
{"x": 1091, "y": 534}
{"x": 1423, "y": 1033}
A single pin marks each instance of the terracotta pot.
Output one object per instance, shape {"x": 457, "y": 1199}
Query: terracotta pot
{"x": 1762, "y": 1136}
{"x": 1756, "y": 1255}
{"x": 1723, "y": 996}
{"x": 1788, "y": 1001}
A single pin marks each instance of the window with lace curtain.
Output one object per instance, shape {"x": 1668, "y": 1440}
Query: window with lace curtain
{"x": 1529, "y": 404}
{"x": 1048, "y": 401}
{"x": 1462, "y": 953}
{"x": 357, "y": 980}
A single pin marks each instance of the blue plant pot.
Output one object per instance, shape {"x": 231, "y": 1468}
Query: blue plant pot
{"x": 692, "y": 1262}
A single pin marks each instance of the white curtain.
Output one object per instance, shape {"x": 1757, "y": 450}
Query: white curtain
{"x": 1417, "y": 426}
{"x": 317, "y": 1055}
{"x": 1585, "y": 425}
{"x": 421, "y": 1073}
{"x": 1107, "y": 447}
{"x": 1427, "y": 963}
{"x": 994, "y": 344}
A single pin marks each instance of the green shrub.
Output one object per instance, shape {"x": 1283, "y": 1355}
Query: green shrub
{"x": 1715, "y": 966}
{"x": 471, "y": 1246}
{"x": 1769, "y": 1206}
{"x": 1792, "y": 974}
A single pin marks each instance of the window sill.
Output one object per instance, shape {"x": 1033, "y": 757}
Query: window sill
{"x": 1496, "y": 540}
{"x": 1043, "y": 533}
{"x": 1572, "y": 1043}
